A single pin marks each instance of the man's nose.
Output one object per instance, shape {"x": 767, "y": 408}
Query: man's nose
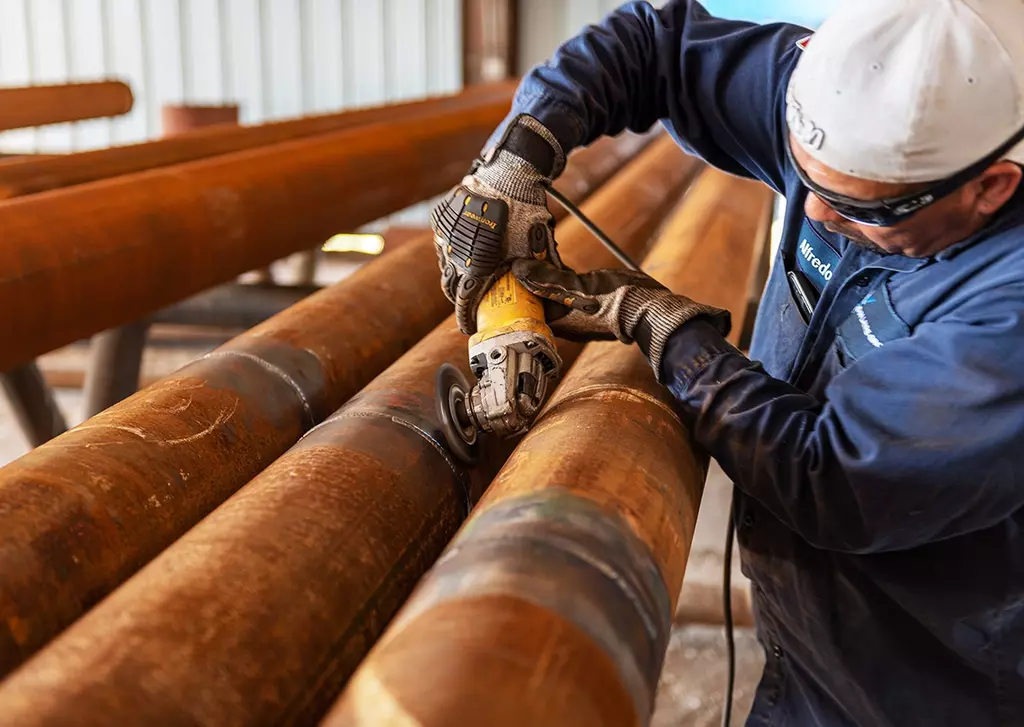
{"x": 819, "y": 211}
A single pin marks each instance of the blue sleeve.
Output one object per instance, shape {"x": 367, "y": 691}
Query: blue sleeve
{"x": 916, "y": 442}
{"x": 719, "y": 85}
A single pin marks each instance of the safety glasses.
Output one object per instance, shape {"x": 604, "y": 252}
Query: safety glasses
{"x": 890, "y": 212}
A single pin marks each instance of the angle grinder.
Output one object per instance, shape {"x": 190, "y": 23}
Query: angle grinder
{"x": 513, "y": 354}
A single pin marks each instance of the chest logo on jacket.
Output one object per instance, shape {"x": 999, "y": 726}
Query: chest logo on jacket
{"x": 872, "y": 324}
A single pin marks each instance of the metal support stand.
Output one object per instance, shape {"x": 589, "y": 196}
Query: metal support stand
{"x": 306, "y": 267}
{"x": 115, "y": 362}
{"x": 33, "y": 403}
{"x": 233, "y": 305}
{"x": 264, "y": 276}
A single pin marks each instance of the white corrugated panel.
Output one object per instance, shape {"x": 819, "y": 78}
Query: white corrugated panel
{"x": 276, "y": 58}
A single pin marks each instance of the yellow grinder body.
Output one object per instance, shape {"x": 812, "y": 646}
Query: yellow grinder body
{"x": 509, "y": 307}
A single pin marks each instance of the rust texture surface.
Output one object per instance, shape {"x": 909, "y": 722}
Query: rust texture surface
{"x": 80, "y": 260}
{"x": 589, "y": 523}
{"x": 90, "y": 508}
{"x": 34, "y": 175}
{"x": 41, "y": 105}
{"x": 85, "y": 511}
{"x": 260, "y": 613}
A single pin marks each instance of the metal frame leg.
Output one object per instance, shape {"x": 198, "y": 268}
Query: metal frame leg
{"x": 115, "y": 361}
{"x": 33, "y": 403}
{"x": 306, "y": 267}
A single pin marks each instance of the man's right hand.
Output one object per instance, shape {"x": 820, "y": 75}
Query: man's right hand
{"x": 515, "y": 173}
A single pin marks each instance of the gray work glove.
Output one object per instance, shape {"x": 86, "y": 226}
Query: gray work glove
{"x": 514, "y": 172}
{"x": 606, "y": 305}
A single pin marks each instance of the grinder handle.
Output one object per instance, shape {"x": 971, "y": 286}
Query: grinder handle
{"x": 508, "y": 303}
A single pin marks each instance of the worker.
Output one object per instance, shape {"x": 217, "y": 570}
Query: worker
{"x": 876, "y": 433}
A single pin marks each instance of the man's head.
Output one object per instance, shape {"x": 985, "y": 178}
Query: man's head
{"x": 906, "y": 119}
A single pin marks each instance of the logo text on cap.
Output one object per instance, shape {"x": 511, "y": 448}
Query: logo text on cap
{"x": 803, "y": 128}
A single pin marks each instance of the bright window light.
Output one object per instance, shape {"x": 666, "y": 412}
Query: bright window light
{"x": 350, "y": 242}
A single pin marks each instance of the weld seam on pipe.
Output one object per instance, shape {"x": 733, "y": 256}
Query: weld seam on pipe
{"x": 535, "y": 540}
{"x": 273, "y": 369}
{"x": 433, "y": 441}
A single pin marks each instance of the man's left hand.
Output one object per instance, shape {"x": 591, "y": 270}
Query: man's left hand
{"x": 613, "y": 304}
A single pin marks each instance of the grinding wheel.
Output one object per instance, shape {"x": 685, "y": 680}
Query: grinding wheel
{"x": 460, "y": 432}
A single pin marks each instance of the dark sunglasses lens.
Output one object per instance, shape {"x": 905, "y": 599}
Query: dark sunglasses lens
{"x": 874, "y": 217}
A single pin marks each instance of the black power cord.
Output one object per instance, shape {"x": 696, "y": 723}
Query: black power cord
{"x": 576, "y": 212}
{"x": 730, "y": 641}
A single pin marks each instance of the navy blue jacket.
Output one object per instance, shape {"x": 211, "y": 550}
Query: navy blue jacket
{"x": 876, "y": 441}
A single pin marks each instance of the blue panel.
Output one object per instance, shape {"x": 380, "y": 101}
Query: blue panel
{"x": 804, "y": 12}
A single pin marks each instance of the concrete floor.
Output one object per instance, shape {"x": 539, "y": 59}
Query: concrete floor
{"x": 693, "y": 681}
{"x": 691, "y": 689}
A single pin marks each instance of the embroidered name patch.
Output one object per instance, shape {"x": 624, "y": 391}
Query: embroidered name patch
{"x": 815, "y": 258}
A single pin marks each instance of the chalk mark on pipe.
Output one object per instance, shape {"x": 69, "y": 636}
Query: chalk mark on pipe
{"x": 222, "y": 418}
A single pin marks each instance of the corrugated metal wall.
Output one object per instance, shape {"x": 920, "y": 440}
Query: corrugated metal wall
{"x": 276, "y": 58}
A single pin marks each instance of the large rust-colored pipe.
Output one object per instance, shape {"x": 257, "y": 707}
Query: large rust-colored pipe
{"x": 553, "y": 605}
{"x": 80, "y": 260}
{"x": 40, "y": 105}
{"x": 31, "y": 176}
{"x": 259, "y": 613}
{"x": 87, "y": 510}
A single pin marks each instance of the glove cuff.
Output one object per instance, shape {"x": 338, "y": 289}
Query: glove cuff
{"x": 531, "y": 140}
{"x": 664, "y": 314}
{"x": 527, "y": 138}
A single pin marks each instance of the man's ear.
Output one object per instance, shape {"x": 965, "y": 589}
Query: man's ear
{"x": 997, "y": 185}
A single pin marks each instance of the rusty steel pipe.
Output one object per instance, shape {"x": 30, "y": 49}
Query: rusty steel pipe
{"x": 32, "y": 176}
{"x": 41, "y": 105}
{"x": 115, "y": 357}
{"x": 130, "y": 245}
{"x": 260, "y": 612}
{"x": 553, "y": 605}
{"x": 84, "y": 512}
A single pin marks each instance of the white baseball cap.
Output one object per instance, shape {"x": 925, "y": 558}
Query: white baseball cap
{"x": 909, "y": 91}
